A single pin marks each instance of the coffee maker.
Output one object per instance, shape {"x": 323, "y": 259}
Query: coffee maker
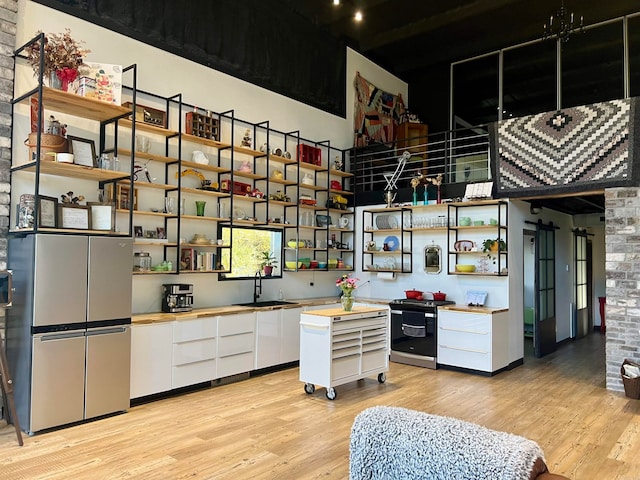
{"x": 177, "y": 297}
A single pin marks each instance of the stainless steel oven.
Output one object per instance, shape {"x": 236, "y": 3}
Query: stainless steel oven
{"x": 414, "y": 329}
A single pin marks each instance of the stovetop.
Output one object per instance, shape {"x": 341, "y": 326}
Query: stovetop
{"x": 399, "y": 302}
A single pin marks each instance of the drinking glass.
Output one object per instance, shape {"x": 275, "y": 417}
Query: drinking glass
{"x": 143, "y": 143}
{"x": 200, "y": 208}
{"x": 169, "y": 205}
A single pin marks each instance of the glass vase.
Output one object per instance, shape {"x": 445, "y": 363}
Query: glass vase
{"x": 347, "y": 302}
{"x": 425, "y": 200}
{"x": 415, "y": 197}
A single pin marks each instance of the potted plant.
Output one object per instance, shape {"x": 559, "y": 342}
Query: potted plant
{"x": 491, "y": 246}
{"x": 267, "y": 262}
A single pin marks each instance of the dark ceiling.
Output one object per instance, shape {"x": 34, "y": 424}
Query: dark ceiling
{"x": 418, "y": 40}
{"x": 409, "y": 36}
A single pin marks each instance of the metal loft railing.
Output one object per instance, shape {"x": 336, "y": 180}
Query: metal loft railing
{"x": 461, "y": 156}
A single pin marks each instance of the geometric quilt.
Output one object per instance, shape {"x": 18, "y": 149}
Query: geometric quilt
{"x": 574, "y": 149}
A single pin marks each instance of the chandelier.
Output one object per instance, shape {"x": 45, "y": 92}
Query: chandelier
{"x": 562, "y": 25}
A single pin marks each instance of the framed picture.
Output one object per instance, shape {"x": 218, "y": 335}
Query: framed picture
{"x": 137, "y": 231}
{"x": 160, "y": 232}
{"x": 73, "y": 216}
{"x": 47, "y": 211}
{"x": 84, "y": 151}
{"x": 124, "y": 197}
{"x": 103, "y": 216}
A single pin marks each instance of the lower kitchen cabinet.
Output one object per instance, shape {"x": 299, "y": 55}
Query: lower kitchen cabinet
{"x": 268, "y": 338}
{"x": 290, "y": 345}
{"x": 474, "y": 341}
{"x": 277, "y": 337}
{"x": 236, "y": 344}
{"x": 194, "y": 351}
{"x": 151, "y": 358}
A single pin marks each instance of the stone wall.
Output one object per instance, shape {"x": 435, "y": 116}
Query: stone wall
{"x": 8, "y": 19}
{"x": 622, "y": 239}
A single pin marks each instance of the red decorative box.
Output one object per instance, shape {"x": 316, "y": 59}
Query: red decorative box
{"x": 309, "y": 154}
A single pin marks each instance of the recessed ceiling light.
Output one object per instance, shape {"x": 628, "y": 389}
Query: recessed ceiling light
{"x": 358, "y": 16}
{"x": 336, "y": 2}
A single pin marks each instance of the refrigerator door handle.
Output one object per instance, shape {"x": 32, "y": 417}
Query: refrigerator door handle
{"x": 106, "y": 331}
{"x": 59, "y": 336}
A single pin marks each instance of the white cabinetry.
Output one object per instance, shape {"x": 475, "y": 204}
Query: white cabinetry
{"x": 277, "y": 337}
{"x": 150, "y": 358}
{"x": 236, "y": 343}
{"x": 337, "y": 347}
{"x": 471, "y": 340}
{"x": 268, "y": 338}
{"x": 290, "y": 346}
{"x": 194, "y": 351}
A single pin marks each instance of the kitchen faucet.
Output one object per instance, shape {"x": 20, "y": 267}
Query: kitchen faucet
{"x": 257, "y": 286}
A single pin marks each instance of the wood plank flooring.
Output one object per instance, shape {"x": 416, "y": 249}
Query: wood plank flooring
{"x": 268, "y": 428}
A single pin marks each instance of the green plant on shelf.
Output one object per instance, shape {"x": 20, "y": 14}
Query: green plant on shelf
{"x": 491, "y": 246}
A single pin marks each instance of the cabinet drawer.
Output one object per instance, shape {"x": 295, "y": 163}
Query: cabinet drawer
{"x": 374, "y": 360}
{"x": 234, "y": 344}
{"x": 235, "y": 324}
{"x": 192, "y": 373}
{"x": 234, "y": 364}
{"x": 345, "y": 367}
{"x": 187, "y": 330}
{"x": 362, "y": 323}
{"x": 345, "y": 352}
{"x": 476, "y": 341}
{"x": 457, "y": 357}
{"x": 473, "y": 322}
{"x": 196, "y": 351}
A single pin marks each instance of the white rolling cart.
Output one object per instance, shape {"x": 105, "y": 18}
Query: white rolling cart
{"x": 337, "y": 347}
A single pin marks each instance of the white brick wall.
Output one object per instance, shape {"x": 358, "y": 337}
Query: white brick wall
{"x": 8, "y": 20}
{"x": 623, "y": 280}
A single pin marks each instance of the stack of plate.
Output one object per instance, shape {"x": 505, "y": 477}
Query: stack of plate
{"x": 386, "y": 222}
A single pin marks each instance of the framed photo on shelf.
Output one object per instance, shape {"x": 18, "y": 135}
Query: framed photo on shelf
{"x": 160, "y": 232}
{"x": 124, "y": 197}
{"x": 137, "y": 231}
{"x": 84, "y": 151}
{"x": 47, "y": 211}
{"x": 103, "y": 216}
{"x": 73, "y": 216}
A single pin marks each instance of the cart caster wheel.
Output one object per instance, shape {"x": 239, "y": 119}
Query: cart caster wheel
{"x": 309, "y": 388}
{"x": 382, "y": 377}
{"x": 331, "y": 393}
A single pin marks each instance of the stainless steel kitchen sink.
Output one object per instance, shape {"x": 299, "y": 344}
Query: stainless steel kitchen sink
{"x": 266, "y": 303}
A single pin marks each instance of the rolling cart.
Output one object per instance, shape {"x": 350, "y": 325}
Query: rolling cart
{"x": 337, "y": 347}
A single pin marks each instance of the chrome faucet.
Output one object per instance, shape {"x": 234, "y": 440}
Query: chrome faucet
{"x": 257, "y": 286}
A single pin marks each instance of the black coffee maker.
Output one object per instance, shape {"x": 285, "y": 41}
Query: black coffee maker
{"x": 177, "y": 297}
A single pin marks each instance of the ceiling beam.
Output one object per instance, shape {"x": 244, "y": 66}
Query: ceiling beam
{"x": 434, "y": 22}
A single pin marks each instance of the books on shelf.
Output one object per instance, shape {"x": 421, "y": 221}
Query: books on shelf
{"x": 191, "y": 259}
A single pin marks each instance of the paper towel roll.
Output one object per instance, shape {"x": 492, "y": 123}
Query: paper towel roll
{"x": 386, "y": 275}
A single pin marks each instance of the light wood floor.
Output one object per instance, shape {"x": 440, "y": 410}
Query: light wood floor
{"x": 268, "y": 428}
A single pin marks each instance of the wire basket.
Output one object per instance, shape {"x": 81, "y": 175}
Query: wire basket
{"x": 631, "y": 385}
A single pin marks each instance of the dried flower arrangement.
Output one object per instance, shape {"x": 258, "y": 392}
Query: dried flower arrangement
{"x": 62, "y": 54}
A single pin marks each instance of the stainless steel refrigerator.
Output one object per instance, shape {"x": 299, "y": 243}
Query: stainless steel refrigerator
{"x": 68, "y": 334}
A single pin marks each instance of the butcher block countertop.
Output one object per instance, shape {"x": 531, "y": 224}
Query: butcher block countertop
{"x": 340, "y": 312}
{"x": 470, "y": 309}
{"x": 156, "y": 317}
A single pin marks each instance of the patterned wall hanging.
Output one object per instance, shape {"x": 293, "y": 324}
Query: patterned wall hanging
{"x": 377, "y": 114}
{"x": 575, "y": 149}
